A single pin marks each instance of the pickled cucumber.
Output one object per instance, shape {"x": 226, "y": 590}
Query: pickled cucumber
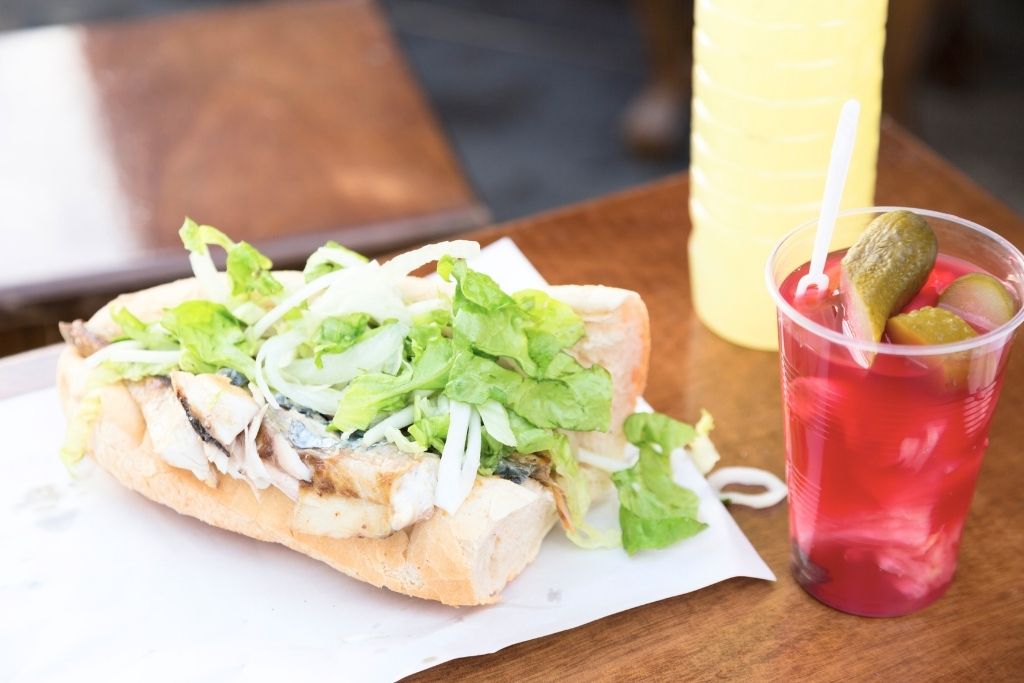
{"x": 980, "y": 299}
{"x": 884, "y": 269}
{"x": 928, "y": 325}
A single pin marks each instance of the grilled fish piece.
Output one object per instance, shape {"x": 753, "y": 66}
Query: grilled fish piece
{"x": 215, "y": 406}
{"x": 85, "y": 341}
{"x": 339, "y": 516}
{"x": 273, "y": 443}
{"x": 380, "y": 474}
{"x": 169, "y": 430}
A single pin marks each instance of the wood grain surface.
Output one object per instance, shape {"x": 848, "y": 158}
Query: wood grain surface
{"x": 753, "y": 630}
{"x": 283, "y": 124}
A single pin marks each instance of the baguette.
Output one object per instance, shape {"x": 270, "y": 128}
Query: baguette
{"x": 461, "y": 559}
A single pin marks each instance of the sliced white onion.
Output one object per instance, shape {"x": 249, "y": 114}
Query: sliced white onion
{"x": 260, "y": 377}
{"x": 603, "y": 462}
{"x": 775, "y": 489}
{"x": 132, "y": 352}
{"x": 449, "y": 470}
{"x": 211, "y": 283}
{"x": 393, "y": 365}
{"x": 402, "y": 442}
{"x": 471, "y": 460}
{"x": 403, "y": 264}
{"x": 364, "y": 290}
{"x": 274, "y": 354}
{"x": 346, "y": 258}
{"x": 370, "y": 355}
{"x": 495, "y": 419}
{"x": 427, "y": 305}
{"x": 403, "y": 418}
{"x": 296, "y": 298}
{"x": 248, "y": 312}
{"x": 322, "y": 399}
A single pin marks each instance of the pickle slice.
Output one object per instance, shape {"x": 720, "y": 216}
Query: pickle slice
{"x": 980, "y": 299}
{"x": 884, "y": 269}
{"x": 930, "y": 325}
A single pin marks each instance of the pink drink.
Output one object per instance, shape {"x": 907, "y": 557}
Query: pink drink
{"x": 883, "y": 447}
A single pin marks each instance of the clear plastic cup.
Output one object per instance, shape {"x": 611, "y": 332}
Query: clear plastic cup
{"x": 884, "y": 441}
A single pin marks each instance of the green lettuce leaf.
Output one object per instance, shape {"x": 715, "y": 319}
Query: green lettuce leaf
{"x": 542, "y": 383}
{"x": 369, "y": 395}
{"x": 211, "y": 338}
{"x": 150, "y": 336}
{"x": 247, "y": 268}
{"x": 249, "y": 271}
{"x": 426, "y": 328}
{"x": 338, "y": 333}
{"x": 475, "y": 380}
{"x": 655, "y": 512}
{"x": 552, "y": 326}
{"x": 580, "y": 400}
{"x": 571, "y": 478}
{"x": 491, "y": 453}
{"x": 487, "y": 318}
{"x": 197, "y": 238}
{"x": 430, "y": 431}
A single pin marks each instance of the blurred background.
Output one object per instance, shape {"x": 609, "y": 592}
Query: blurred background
{"x": 502, "y": 108}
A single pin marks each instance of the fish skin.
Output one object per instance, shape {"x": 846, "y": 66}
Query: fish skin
{"x": 220, "y": 407}
{"x": 172, "y": 436}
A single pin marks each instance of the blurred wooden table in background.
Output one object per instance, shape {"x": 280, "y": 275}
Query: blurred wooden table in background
{"x": 284, "y": 124}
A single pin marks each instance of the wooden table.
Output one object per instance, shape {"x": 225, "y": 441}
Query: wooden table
{"x": 745, "y": 629}
{"x": 752, "y": 630}
{"x": 284, "y": 124}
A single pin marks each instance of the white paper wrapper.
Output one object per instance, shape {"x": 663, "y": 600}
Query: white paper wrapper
{"x": 98, "y": 583}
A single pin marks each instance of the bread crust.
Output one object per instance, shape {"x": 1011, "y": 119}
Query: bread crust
{"x": 461, "y": 559}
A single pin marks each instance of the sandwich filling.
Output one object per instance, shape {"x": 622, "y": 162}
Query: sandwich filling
{"x": 371, "y": 399}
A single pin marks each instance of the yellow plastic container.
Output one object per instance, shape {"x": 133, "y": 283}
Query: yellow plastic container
{"x": 769, "y": 80}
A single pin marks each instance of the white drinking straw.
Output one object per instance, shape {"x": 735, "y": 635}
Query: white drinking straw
{"x": 835, "y": 181}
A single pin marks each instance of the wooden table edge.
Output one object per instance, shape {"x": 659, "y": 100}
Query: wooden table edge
{"x": 170, "y": 264}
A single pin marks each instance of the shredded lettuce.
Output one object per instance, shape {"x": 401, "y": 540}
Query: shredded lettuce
{"x": 211, "y": 338}
{"x": 337, "y": 333}
{"x": 430, "y": 424}
{"x": 370, "y": 395}
{"x": 247, "y": 268}
{"x": 655, "y": 511}
{"x": 553, "y": 326}
{"x": 79, "y": 432}
{"x": 579, "y": 400}
{"x": 249, "y": 272}
{"x": 496, "y": 422}
{"x": 571, "y": 479}
{"x": 329, "y": 258}
{"x": 402, "y": 442}
{"x": 487, "y": 318}
{"x": 426, "y": 327}
{"x": 346, "y": 344}
{"x": 550, "y": 389}
{"x": 151, "y": 336}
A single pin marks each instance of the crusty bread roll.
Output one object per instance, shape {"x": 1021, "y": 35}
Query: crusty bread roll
{"x": 461, "y": 559}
